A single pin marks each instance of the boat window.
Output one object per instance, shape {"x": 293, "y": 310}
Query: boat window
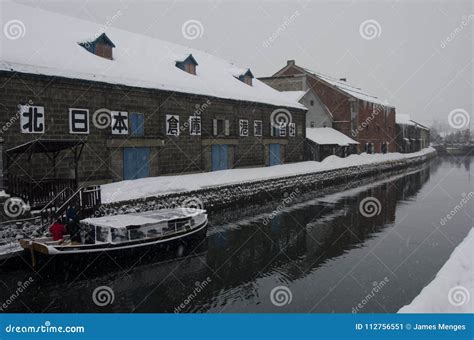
{"x": 119, "y": 235}
{"x": 102, "y": 234}
{"x": 136, "y": 234}
{"x": 152, "y": 231}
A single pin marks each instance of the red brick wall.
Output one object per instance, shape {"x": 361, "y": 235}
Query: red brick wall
{"x": 379, "y": 129}
{"x": 336, "y": 101}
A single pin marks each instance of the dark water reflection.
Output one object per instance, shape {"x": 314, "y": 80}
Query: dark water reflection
{"x": 323, "y": 249}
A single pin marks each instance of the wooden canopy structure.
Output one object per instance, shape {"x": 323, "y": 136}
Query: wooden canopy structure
{"x": 40, "y": 191}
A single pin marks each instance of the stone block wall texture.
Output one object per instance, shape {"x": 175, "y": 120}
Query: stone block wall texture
{"x": 102, "y": 157}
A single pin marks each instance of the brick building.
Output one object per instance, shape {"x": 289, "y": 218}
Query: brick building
{"x": 363, "y": 117}
{"x": 127, "y": 106}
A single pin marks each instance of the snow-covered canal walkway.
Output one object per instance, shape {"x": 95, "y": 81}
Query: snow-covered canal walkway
{"x": 153, "y": 186}
{"x": 452, "y": 289}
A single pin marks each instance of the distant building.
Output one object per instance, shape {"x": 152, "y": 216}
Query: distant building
{"x": 365, "y": 118}
{"x": 411, "y": 136}
{"x": 121, "y": 106}
{"x": 324, "y": 142}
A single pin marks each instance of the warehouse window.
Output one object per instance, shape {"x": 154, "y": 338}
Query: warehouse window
{"x": 221, "y": 127}
{"x": 137, "y": 122}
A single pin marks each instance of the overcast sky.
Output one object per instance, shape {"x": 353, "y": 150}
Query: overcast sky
{"x": 405, "y": 59}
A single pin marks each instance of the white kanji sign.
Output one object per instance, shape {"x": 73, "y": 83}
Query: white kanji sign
{"x": 79, "y": 121}
{"x": 172, "y": 125}
{"x": 195, "y": 125}
{"x": 292, "y": 129}
{"x": 282, "y": 129}
{"x": 244, "y": 127}
{"x": 31, "y": 119}
{"x": 119, "y": 122}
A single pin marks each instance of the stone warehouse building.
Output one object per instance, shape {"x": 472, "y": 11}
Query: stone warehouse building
{"x": 123, "y": 106}
{"x": 411, "y": 136}
{"x": 365, "y": 118}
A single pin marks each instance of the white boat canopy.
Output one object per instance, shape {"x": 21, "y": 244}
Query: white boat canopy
{"x": 142, "y": 219}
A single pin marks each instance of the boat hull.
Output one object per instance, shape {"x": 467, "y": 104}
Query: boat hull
{"x": 43, "y": 259}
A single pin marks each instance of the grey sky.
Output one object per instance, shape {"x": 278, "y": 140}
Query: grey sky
{"x": 407, "y": 64}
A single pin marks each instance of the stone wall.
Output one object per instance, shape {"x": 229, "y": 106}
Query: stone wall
{"x": 102, "y": 158}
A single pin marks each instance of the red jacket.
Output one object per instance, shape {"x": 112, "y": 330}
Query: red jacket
{"x": 57, "y": 230}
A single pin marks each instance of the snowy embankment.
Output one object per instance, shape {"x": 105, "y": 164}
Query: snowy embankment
{"x": 157, "y": 186}
{"x": 452, "y": 289}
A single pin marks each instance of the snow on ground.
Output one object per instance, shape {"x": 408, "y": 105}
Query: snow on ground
{"x": 452, "y": 289}
{"x": 152, "y": 186}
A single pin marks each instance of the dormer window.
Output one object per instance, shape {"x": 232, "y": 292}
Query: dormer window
{"x": 187, "y": 64}
{"x": 246, "y": 77}
{"x": 100, "y": 46}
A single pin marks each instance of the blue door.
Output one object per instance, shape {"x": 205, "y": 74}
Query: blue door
{"x": 219, "y": 157}
{"x": 136, "y": 163}
{"x": 275, "y": 154}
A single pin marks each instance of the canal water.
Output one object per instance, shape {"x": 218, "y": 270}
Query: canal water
{"x": 369, "y": 249}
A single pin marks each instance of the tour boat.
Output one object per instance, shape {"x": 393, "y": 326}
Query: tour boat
{"x": 120, "y": 233}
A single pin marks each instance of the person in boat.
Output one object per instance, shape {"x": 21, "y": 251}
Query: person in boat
{"x": 57, "y": 230}
{"x": 73, "y": 228}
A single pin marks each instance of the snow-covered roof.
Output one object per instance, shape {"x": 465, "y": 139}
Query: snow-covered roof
{"x": 327, "y": 135}
{"x": 142, "y": 219}
{"x": 50, "y": 46}
{"x": 294, "y": 95}
{"x": 403, "y": 119}
{"x": 351, "y": 90}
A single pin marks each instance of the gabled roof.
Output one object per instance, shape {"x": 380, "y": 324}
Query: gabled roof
{"x": 328, "y": 136}
{"x": 187, "y": 58}
{"x": 50, "y": 47}
{"x": 340, "y": 85}
{"x": 103, "y": 38}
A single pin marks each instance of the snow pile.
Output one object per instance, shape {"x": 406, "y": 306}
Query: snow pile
{"x": 327, "y": 136}
{"x": 153, "y": 186}
{"x": 41, "y": 42}
{"x": 452, "y": 290}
